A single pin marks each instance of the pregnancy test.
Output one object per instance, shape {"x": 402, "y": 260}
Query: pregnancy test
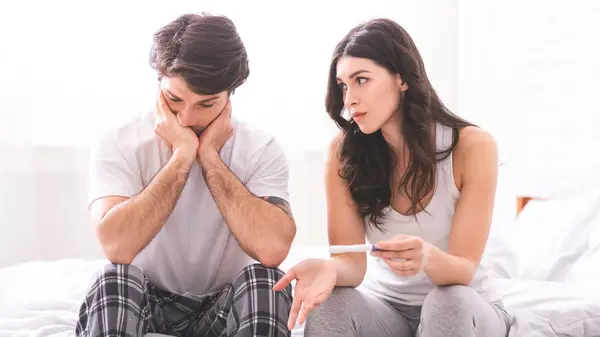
{"x": 351, "y": 249}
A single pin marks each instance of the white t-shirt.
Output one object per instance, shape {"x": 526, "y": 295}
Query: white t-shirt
{"x": 194, "y": 253}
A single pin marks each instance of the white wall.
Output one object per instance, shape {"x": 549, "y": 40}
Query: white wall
{"x": 43, "y": 211}
{"x": 82, "y": 67}
{"x": 526, "y": 71}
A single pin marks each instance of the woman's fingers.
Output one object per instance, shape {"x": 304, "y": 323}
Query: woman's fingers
{"x": 306, "y": 308}
{"x": 411, "y": 254}
{"x": 285, "y": 280}
{"x": 404, "y": 268}
{"x": 294, "y": 310}
{"x": 400, "y": 243}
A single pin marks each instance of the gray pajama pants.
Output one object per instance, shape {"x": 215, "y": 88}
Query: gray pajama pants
{"x": 450, "y": 311}
{"x": 122, "y": 303}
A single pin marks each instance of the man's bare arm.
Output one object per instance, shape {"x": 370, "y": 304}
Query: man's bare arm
{"x": 126, "y": 226}
{"x": 263, "y": 226}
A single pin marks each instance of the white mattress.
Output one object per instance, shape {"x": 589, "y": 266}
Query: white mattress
{"x": 42, "y": 299}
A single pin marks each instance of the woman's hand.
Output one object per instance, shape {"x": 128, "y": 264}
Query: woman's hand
{"x": 316, "y": 279}
{"x": 406, "y": 255}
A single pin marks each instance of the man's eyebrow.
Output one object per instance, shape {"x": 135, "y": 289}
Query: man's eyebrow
{"x": 210, "y": 99}
{"x": 199, "y": 102}
{"x": 172, "y": 95}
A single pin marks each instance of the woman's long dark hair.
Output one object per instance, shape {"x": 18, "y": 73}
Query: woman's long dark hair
{"x": 367, "y": 161}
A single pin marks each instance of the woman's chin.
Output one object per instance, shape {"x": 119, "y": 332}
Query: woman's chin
{"x": 366, "y": 129}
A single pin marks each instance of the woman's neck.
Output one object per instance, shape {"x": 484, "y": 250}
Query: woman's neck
{"x": 392, "y": 133}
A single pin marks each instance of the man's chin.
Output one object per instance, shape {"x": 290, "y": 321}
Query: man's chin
{"x": 198, "y": 132}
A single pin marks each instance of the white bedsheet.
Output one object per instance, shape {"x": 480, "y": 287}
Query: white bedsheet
{"x": 551, "y": 309}
{"x": 42, "y": 299}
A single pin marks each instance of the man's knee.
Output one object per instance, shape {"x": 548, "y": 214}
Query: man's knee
{"x": 258, "y": 273}
{"x": 112, "y": 270}
{"x": 118, "y": 274}
{"x": 256, "y": 306}
{"x": 258, "y": 278}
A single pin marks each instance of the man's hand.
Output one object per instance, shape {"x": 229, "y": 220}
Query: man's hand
{"x": 217, "y": 132}
{"x": 168, "y": 128}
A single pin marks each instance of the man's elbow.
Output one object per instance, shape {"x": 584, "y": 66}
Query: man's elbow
{"x": 113, "y": 250}
{"x": 117, "y": 256}
{"x": 274, "y": 256}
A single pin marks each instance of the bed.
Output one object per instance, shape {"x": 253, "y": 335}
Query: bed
{"x": 545, "y": 264}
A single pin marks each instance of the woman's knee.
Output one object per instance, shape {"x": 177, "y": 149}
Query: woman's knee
{"x": 444, "y": 299}
{"x": 337, "y": 309}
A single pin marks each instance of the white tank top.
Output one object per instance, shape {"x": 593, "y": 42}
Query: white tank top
{"x": 434, "y": 227}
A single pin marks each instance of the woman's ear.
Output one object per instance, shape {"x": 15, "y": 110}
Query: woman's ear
{"x": 401, "y": 83}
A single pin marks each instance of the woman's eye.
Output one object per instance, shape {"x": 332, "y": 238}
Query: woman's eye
{"x": 173, "y": 99}
{"x": 361, "y": 80}
{"x": 207, "y": 105}
{"x": 343, "y": 86}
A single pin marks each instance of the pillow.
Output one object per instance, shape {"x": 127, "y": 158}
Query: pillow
{"x": 546, "y": 239}
{"x": 499, "y": 257}
{"x": 585, "y": 272}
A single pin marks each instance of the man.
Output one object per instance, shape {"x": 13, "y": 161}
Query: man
{"x": 185, "y": 200}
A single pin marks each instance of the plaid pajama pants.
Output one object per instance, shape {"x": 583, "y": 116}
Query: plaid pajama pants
{"x": 121, "y": 302}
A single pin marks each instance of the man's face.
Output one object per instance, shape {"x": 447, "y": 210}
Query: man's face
{"x": 192, "y": 110}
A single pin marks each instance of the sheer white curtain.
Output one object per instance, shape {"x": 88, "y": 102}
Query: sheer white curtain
{"x": 529, "y": 73}
{"x": 76, "y": 68}
{"x": 72, "y": 69}
{"x": 526, "y": 71}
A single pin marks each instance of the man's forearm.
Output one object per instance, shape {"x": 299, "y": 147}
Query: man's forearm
{"x": 129, "y": 226}
{"x": 445, "y": 269}
{"x": 263, "y": 231}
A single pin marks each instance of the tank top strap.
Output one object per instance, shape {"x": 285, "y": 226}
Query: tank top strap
{"x": 445, "y": 168}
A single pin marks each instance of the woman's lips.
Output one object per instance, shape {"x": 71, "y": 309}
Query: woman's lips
{"x": 358, "y": 116}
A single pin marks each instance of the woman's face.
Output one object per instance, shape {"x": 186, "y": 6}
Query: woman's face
{"x": 192, "y": 110}
{"x": 370, "y": 92}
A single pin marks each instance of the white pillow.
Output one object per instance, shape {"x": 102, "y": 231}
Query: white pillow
{"x": 546, "y": 239}
{"x": 500, "y": 257}
{"x": 585, "y": 273}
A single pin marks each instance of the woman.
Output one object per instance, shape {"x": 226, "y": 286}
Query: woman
{"x": 418, "y": 182}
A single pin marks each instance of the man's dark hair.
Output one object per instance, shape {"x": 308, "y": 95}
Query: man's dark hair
{"x": 204, "y": 49}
